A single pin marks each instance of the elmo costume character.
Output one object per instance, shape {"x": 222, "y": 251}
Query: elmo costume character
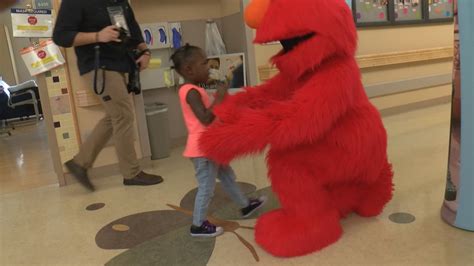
{"x": 327, "y": 144}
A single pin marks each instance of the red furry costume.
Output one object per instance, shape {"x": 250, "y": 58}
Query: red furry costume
{"x": 327, "y": 142}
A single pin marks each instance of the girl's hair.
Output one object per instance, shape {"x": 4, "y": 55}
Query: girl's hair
{"x": 183, "y": 55}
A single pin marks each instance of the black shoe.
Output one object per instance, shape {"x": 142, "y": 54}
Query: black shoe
{"x": 80, "y": 173}
{"x": 254, "y": 205}
{"x": 206, "y": 230}
{"x": 143, "y": 179}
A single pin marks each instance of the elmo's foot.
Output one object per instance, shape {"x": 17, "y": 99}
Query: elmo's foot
{"x": 283, "y": 235}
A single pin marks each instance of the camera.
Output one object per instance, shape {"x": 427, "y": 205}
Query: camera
{"x": 134, "y": 85}
{"x": 123, "y": 35}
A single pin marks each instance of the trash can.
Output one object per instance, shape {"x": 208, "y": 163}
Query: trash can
{"x": 158, "y": 130}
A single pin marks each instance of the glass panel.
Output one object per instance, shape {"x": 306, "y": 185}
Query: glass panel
{"x": 371, "y": 11}
{"x": 439, "y": 9}
{"x": 408, "y": 10}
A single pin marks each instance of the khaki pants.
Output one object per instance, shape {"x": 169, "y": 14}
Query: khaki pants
{"x": 117, "y": 123}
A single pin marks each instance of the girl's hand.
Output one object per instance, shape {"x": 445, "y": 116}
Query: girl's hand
{"x": 222, "y": 89}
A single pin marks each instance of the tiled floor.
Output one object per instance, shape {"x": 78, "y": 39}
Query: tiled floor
{"x": 25, "y": 161}
{"x": 50, "y": 226}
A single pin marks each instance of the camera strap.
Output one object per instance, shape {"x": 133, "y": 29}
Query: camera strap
{"x": 96, "y": 72}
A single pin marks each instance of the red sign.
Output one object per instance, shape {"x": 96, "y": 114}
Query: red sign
{"x": 32, "y": 20}
{"x": 41, "y": 54}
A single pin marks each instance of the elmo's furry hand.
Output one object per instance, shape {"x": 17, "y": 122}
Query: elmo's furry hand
{"x": 247, "y": 134}
{"x": 253, "y": 98}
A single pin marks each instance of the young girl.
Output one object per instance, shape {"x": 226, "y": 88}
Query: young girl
{"x": 191, "y": 63}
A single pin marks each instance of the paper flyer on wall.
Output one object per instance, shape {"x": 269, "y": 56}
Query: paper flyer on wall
{"x": 42, "y": 58}
{"x": 32, "y": 22}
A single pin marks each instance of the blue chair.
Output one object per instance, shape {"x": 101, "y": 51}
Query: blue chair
{"x": 18, "y": 102}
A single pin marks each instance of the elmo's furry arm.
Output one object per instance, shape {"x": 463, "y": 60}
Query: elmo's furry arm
{"x": 224, "y": 141}
{"x": 304, "y": 118}
{"x": 257, "y": 97}
{"x": 316, "y": 107}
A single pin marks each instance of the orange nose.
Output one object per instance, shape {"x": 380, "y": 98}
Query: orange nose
{"x": 255, "y": 12}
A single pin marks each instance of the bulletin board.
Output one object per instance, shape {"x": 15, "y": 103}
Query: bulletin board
{"x": 399, "y": 12}
{"x": 440, "y": 9}
{"x": 408, "y": 10}
{"x": 370, "y": 11}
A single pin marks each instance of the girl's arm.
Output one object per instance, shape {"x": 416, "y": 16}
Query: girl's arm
{"x": 205, "y": 115}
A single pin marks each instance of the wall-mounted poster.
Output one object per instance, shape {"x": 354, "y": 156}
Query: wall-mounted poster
{"x": 41, "y": 58}
{"x": 440, "y": 9}
{"x": 229, "y": 69}
{"x": 408, "y": 10}
{"x": 371, "y": 11}
{"x": 156, "y": 35}
{"x": 32, "y": 22}
{"x": 44, "y": 4}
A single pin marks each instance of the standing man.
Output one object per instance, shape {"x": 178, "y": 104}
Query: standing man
{"x": 104, "y": 32}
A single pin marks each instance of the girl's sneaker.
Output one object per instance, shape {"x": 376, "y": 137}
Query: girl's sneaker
{"x": 206, "y": 230}
{"x": 254, "y": 205}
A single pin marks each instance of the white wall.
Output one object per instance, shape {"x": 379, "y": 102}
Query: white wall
{"x": 17, "y": 43}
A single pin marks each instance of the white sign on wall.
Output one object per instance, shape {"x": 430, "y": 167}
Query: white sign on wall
{"x": 32, "y": 22}
{"x": 44, "y": 4}
{"x": 42, "y": 58}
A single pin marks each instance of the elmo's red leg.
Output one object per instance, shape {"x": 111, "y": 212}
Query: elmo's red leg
{"x": 307, "y": 221}
{"x": 376, "y": 195}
